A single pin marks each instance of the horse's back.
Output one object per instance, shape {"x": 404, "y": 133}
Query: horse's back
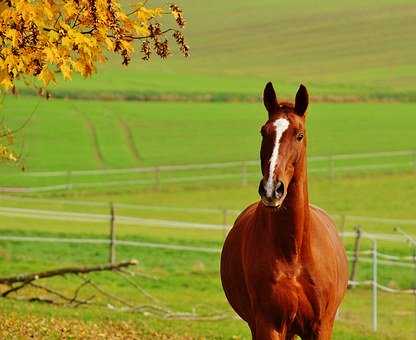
{"x": 232, "y": 274}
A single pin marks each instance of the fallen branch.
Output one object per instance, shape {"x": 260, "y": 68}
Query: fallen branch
{"x": 27, "y": 278}
{"x": 114, "y": 302}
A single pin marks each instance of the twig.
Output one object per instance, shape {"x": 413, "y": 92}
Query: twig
{"x": 111, "y": 296}
{"x": 134, "y": 284}
{"x": 60, "y": 295}
{"x": 64, "y": 271}
{"x": 78, "y": 290}
{"x": 14, "y": 289}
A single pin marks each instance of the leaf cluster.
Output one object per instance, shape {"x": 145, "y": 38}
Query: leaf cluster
{"x": 39, "y": 38}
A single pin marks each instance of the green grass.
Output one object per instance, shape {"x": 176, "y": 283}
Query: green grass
{"x": 191, "y": 276}
{"x": 351, "y": 49}
{"x": 58, "y": 138}
{"x": 347, "y": 51}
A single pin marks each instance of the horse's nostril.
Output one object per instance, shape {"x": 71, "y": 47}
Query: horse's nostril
{"x": 279, "y": 189}
{"x": 262, "y": 190}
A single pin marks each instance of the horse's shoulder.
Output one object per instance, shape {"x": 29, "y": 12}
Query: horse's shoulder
{"x": 248, "y": 211}
{"x": 321, "y": 214}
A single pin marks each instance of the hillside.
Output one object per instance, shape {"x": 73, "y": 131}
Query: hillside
{"x": 354, "y": 49}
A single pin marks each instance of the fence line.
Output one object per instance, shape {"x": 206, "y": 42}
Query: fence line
{"x": 219, "y": 165}
{"x": 86, "y": 217}
{"x": 386, "y": 262}
{"x": 138, "y": 207}
{"x": 381, "y": 287}
{"x": 149, "y": 222}
{"x": 182, "y": 179}
{"x": 386, "y": 256}
{"x": 162, "y": 246}
{"x": 106, "y": 242}
{"x": 220, "y": 210}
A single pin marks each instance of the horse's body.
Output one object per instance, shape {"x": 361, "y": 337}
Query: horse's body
{"x": 283, "y": 266}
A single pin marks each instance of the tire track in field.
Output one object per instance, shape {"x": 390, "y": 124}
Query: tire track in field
{"x": 93, "y": 133}
{"x": 128, "y": 136}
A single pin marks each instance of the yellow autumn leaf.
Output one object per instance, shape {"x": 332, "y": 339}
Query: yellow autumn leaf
{"x": 70, "y": 9}
{"x": 73, "y": 35}
{"x": 66, "y": 70}
{"x": 51, "y": 54}
{"x": 110, "y": 44}
{"x": 46, "y": 76}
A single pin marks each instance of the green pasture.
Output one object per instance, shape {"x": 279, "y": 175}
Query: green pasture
{"x": 357, "y": 60}
{"x": 183, "y": 281}
{"x": 69, "y": 135}
{"x": 79, "y": 135}
{"x": 341, "y": 50}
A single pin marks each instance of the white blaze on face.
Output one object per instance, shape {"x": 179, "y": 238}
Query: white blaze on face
{"x": 281, "y": 126}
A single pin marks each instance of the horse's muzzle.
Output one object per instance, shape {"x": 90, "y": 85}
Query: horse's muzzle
{"x": 277, "y": 196}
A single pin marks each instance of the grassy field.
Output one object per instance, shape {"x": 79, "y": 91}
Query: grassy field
{"x": 206, "y": 109}
{"x": 354, "y": 49}
{"x": 79, "y": 135}
{"x": 185, "y": 280}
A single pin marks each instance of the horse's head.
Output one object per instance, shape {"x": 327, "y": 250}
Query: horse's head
{"x": 283, "y": 145}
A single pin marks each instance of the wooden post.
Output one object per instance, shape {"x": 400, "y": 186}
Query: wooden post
{"x": 414, "y": 160}
{"x": 331, "y": 167}
{"x": 112, "y": 253}
{"x": 68, "y": 180}
{"x": 375, "y": 286}
{"x": 224, "y": 216}
{"x": 342, "y": 225}
{"x": 244, "y": 173}
{"x": 157, "y": 178}
{"x": 355, "y": 256}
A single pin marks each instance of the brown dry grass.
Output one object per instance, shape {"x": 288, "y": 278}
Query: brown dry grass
{"x": 14, "y": 326}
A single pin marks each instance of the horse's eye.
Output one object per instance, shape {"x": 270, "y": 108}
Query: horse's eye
{"x": 299, "y": 136}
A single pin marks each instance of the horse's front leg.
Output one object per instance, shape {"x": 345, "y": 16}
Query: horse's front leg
{"x": 265, "y": 330}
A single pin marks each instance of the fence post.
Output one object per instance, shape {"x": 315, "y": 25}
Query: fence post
{"x": 414, "y": 160}
{"x": 112, "y": 250}
{"x": 375, "y": 286}
{"x": 355, "y": 257}
{"x": 68, "y": 179}
{"x": 331, "y": 167}
{"x": 224, "y": 220}
{"x": 244, "y": 173}
{"x": 342, "y": 225}
{"x": 157, "y": 178}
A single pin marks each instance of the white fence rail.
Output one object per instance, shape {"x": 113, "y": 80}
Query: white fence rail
{"x": 239, "y": 171}
{"x": 222, "y": 165}
{"x": 42, "y": 214}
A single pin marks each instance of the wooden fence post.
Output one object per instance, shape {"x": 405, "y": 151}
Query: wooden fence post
{"x": 355, "y": 257}
{"x": 68, "y": 180}
{"x": 224, "y": 217}
{"x": 342, "y": 225}
{"x": 414, "y": 160}
{"x": 112, "y": 250}
{"x": 244, "y": 173}
{"x": 375, "y": 286}
{"x": 157, "y": 178}
{"x": 331, "y": 167}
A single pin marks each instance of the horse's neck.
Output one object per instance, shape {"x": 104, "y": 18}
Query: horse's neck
{"x": 288, "y": 226}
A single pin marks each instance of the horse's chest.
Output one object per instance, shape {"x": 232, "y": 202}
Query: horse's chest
{"x": 279, "y": 291}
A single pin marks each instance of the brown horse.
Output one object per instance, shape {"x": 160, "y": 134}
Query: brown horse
{"x": 283, "y": 266}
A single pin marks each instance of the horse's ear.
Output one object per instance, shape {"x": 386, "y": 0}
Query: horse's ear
{"x": 270, "y": 99}
{"x": 301, "y": 101}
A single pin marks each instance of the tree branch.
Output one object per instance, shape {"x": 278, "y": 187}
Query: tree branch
{"x": 26, "y": 278}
